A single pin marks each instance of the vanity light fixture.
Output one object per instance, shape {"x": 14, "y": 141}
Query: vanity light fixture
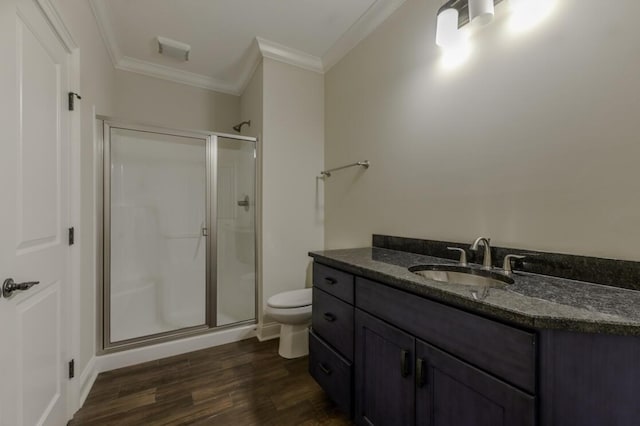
{"x": 481, "y": 11}
{"x": 449, "y": 36}
{"x": 447, "y": 32}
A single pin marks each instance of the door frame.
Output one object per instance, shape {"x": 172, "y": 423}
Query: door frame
{"x": 73, "y": 318}
{"x": 103, "y": 160}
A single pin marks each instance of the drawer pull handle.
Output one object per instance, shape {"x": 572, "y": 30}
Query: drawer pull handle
{"x": 326, "y": 370}
{"x": 404, "y": 363}
{"x": 330, "y": 281}
{"x": 329, "y": 317}
{"x": 421, "y": 372}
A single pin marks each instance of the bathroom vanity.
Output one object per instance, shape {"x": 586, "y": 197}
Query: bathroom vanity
{"x": 393, "y": 348}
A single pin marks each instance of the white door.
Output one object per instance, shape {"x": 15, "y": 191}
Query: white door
{"x": 34, "y": 216}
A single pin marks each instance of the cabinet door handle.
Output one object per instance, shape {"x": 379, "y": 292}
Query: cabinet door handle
{"x": 421, "y": 372}
{"x": 330, "y": 281}
{"x": 326, "y": 370}
{"x": 328, "y": 316}
{"x": 404, "y": 363}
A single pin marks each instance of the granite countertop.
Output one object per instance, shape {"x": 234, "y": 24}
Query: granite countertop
{"x": 534, "y": 301}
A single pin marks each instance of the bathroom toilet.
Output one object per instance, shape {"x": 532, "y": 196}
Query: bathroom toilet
{"x": 292, "y": 309}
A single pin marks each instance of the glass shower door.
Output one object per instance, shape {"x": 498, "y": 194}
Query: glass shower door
{"x": 236, "y": 232}
{"x": 157, "y": 268}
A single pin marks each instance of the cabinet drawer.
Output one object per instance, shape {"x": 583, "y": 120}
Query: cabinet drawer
{"x": 332, "y": 319}
{"x": 504, "y": 351}
{"x": 332, "y": 372}
{"x": 337, "y": 283}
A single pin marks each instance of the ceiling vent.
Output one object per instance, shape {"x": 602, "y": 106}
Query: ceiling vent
{"x": 173, "y": 48}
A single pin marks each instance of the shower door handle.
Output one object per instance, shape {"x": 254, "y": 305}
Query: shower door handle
{"x": 244, "y": 203}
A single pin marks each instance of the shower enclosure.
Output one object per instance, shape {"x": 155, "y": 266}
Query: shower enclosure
{"x": 179, "y": 239}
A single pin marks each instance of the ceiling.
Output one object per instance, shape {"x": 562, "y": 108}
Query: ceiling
{"x": 229, "y": 37}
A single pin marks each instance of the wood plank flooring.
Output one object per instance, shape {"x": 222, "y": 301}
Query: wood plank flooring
{"x": 244, "y": 383}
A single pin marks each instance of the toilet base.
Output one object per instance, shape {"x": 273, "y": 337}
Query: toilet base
{"x": 294, "y": 340}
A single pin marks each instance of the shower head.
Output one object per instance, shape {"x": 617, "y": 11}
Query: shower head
{"x": 238, "y": 127}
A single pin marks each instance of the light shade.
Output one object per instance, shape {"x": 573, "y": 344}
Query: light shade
{"x": 481, "y": 11}
{"x": 447, "y": 33}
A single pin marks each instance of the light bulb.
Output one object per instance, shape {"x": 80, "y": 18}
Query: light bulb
{"x": 481, "y": 11}
{"x": 447, "y": 33}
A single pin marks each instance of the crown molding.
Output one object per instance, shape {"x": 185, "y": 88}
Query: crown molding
{"x": 377, "y": 13}
{"x": 282, "y": 53}
{"x": 254, "y": 57}
{"x": 53, "y": 16}
{"x": 374, "y": 16}
{"x": 127, "y": 63}
{"x": 99, "y": 9}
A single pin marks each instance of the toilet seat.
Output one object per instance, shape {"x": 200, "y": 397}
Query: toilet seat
{"x": 291, "y": 299}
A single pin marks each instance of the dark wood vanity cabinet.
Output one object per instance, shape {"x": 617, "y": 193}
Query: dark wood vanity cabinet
{"x": 384, "y": 388}
{"x": 374, "y": 350}
{"x": 331, "y": 342}
{"x": 401, "y": 380}
{"x": 452, "y": 392}
{"x": 390, "y": 357}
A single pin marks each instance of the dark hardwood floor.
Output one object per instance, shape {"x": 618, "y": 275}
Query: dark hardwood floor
{"x": 244, "y": 383}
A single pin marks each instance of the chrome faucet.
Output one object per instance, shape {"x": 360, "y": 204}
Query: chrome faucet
{"x": 506, "y": 265}
{"x": 486, "y": 260}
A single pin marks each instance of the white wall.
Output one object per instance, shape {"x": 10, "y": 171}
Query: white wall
{"x": 533, "y": 141}
{"x": 149, "y": 100}
{"x": 97, "y": 85}
{"x": 292, "y": 157}
{"x": 251, "y": 104}
{"x": 251, "y": 108}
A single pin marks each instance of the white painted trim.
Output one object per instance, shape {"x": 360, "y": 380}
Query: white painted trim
{"x": 176, "y": 347}
{"x": 282, "y": 53}
{"x": 268, "y": 331}
{"x": 99, "y": 9}
{"x": 72, "y": 317}
{"x": 59, "y": 27}
{"x": 151, "y": 69}
{"x": 365, "y": 25}
{"x": 86, "y": 381}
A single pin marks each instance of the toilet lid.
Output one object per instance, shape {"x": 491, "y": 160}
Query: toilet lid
{"x": 291, "y": 299}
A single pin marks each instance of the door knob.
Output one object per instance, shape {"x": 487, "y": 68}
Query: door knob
{"x": 10, "y": 286}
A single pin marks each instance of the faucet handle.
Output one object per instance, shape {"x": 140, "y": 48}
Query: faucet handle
{"x": 507, "y": 262}
{"x": 463, "y": 255}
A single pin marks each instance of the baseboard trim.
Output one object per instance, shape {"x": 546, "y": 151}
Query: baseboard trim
{"x": 268, "y": 331}
{"x": 162, "y": 350}
{"x": 86, "y": 380}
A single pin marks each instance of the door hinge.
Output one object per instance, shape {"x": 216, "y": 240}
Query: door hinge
{"x": 72, "y": 369}
{"x": 72, "y": 98}
{"x": 72, "y": 236}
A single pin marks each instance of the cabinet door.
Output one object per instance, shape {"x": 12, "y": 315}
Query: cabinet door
{"x": 384, "y": 373}
{"x": 450, "y": 392}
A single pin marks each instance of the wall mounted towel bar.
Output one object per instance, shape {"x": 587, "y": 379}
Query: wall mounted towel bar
{"x": 327, "y": 173}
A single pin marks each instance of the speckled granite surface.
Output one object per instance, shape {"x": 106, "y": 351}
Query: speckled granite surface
{"x": 616, "y": 273}
{"x": 533, "y": 301}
